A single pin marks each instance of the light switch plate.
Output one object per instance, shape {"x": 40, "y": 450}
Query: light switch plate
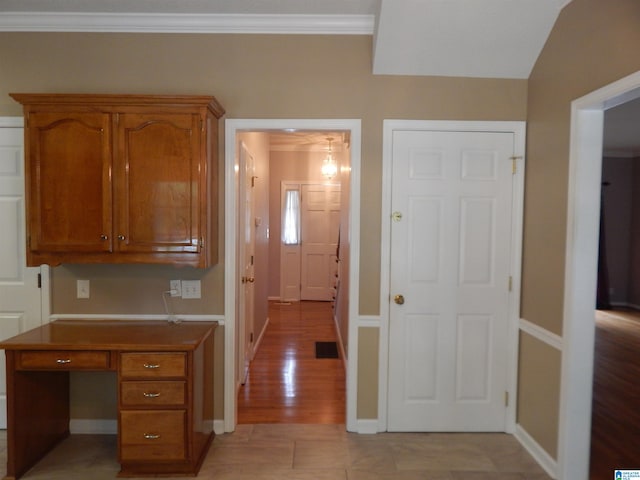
{"x": 191, "y": 289}
{"x": 175, "y": 288}
{"x": 82, "y": 289}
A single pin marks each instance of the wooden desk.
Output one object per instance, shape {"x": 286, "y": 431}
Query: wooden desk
{"x": 165, "y": 391}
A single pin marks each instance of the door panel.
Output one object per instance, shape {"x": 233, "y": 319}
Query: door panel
{"x": 20, "y": 299}
{"x": 320, "y": 226}
{"x": 158, "y": 183}
{"x": 450, "y": 260}
{"x": 71, "y": 211}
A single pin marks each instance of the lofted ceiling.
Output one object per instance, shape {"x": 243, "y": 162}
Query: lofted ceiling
{"x": 468, "y": 38}
{"x": 464, "y": 38}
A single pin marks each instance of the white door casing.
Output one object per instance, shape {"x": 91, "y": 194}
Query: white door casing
{"x": 454, "y": 222}
{"x": 320, "y": 214}
{"x": 23, "y": 304}
{"x": 246, "y": 241}
{"x": 232, "y": 127}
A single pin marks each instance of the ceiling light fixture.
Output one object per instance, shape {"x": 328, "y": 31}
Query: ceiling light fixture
{"x": 329, "y": 165}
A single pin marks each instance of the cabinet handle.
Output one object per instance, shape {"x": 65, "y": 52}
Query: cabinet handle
{"x": 121, "y": 237}
{"x": 63, "y": 361}
{"x": 151, "y": 436}
{"x": 151, "y": 394}
{"x": 151, "y": 365}
{"x": 104, "y": 238}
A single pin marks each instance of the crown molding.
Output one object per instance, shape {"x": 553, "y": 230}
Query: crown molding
{"x": 186, "y": 23}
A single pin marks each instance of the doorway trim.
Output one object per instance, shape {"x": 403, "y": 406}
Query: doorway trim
{"x": 581, "y": 269}
{"x": 232, "y": 127}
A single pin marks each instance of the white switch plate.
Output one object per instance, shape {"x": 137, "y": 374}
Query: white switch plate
{"x": 175, "y": 286}
{"x": 191, "y": 289}
{"x": 82, "y": 289}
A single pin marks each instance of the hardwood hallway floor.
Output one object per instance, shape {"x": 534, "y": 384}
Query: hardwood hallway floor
{"x": 286, "y": 383}
{"x": 615, "y": 429}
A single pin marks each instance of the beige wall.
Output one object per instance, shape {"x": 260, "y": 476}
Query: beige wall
{"x": 253, "y": 76}
{"x": 593, "y": 43}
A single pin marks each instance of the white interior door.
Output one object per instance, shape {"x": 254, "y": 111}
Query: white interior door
{"x": 451, "y": 263}
{"x": 247, "y": 240}
{"x": 320, "y": 215}
{"x": 290, "y": 242}
{"x": 20, "y": 297}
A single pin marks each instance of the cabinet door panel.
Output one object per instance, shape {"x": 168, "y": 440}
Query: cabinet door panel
{"x": 159, "y": 183}
{"x": 69, "y": 167}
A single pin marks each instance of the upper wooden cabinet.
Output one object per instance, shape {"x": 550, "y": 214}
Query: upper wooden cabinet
{"x": 121, "y": 178}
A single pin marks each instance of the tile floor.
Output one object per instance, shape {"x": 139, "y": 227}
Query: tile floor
{"x": 314, "y": 452}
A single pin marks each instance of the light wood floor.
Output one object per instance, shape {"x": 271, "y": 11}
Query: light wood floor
{"x": 615, "y": 430}
{"x": 286, "y": 383}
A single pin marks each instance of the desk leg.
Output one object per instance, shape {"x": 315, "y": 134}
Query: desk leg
{"x": 37, "y": 415}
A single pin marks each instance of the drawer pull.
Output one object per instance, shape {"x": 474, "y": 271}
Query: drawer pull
{"x": 151, "y": 365}
{"x": 151, "y": 436}
{"x": 151, "y": 394}
{"x": 63, "y": 361}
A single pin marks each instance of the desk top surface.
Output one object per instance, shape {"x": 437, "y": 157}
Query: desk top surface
{"x": 137, "y": 335}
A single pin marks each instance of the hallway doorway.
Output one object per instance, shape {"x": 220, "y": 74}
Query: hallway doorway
{"x": 349, "y": 245}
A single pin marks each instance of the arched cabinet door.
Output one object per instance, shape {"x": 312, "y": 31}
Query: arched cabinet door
{"x": 68, "y": 164}
{"x": 121, "y": 179}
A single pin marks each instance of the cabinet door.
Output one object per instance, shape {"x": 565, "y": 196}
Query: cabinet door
{"x": 69, "y": 190}
{"x": 158, "y": 183}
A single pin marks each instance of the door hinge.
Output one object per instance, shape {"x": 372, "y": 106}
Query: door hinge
{"x": 251, "y": 259}
{"x": 251, "y": 337}
{"x": 510, "y": 283}
{"x": 514, "y": 164}
{"x": 201, "y": 242}
{"x": 39, "y": 280}
{"x": 506, "y": 399}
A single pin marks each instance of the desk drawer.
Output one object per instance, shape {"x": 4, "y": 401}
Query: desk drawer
{"x": 63, "y": 360}
{"x": 152, "y": 435}
{"x": 153, "y": 393}
{"x": 153, "y": 365}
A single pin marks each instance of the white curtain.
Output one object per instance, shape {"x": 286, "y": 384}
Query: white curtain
{"x": 291, "y": 218}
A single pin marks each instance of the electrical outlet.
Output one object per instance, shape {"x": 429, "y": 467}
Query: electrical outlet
{"x": 191, "y": 289}
{"x": 175, "y": 286}
{"x": 82, "y": 289}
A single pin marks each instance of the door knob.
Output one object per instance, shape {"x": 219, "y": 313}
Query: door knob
{"x": 399, "y": 299}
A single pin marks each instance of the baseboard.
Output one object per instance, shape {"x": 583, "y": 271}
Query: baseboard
{"x": 93, "y": 426}
{"x": 256, "y": 345}
{"x": 539, "y": 454}
{"x": 367, "y": 426}
{"x": 343, "y": 353}
{"x": 632, "y": 306}
{"x": 218, "y": 427}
